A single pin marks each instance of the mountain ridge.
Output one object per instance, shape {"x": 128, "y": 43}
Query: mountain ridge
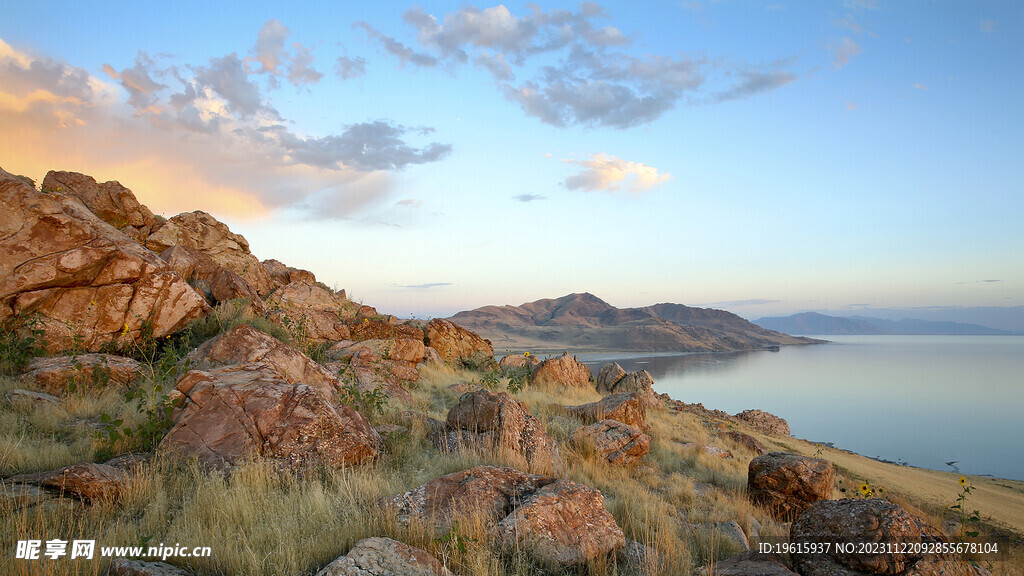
{"x": 582, "y": 321}
{"x": 825, "y": 325}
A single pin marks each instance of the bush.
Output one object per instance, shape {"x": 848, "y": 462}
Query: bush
{"x": 21, "y": 340}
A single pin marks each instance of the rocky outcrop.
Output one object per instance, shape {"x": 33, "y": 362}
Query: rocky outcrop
{"x": 764, "y": 421}
{"x": 85, "y": 371}
{"x": 752, "y": 564}
{"x": 110, "y": 202}
{"x": 86, "y": 480}
{"x": 282, "y": 274}
{"x": 311, "y": 311}
{"x": 244, "y": 344}
{"x": 385, "y": 557}
{"x": 126, "y": 567}
{"x": 619, "y": 444}
{"x": 562, "y": 524}
{"x": 564, "y": 370}
{"x": 404, "y": 350}
{"x": 372, "y": 328}
{"x": 787, "y": 484}
{"x": 747, "y": 441}
{"x": 514, "y": 362}
{"x": 487, "y": 492}
{"x": 626, "y": 408}
{"x": 217, "y": 283}
{"x": 490, "y": 421}
{"x": 201, "y": 231}
{"x": 877, "y": 523}
{"x": 456, "y": 344}
{"x": 88, "y": 284}
{"x": 613, "y": 379}
{"x": 232, "y": 414}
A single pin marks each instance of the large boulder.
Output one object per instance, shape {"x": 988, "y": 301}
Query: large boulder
{"x": 229, "y": 415}
{"x": 562, "y": 524}
{"x": 626, "y": 408}
{"x": 613, "y": 379}
{"x": 59, "y": 374}
{"x": 456, "y": 344}
{"x": 311, "y": 312}
{"x": 483, "y": 419}
{"x": 282, "y": 274}
{"x": 765, "y": 421}
{"x": 619, "y": 444}
{"x": 217, "y": 283}
{"x": 385, "y": 557}
{"x": 110, "y": 201}
{"x": 895, "y": 539}
{"x": 564, "y": 370}
{"x": 128, "y": 567}
{"x": 201, "y": 231}
{"x": 787, "y": 484}
{"x": 243, "y": 344}
{"x": 86, "y": 480}
{"x": 486, "y": 491}
{"x": 514, "y": 362}
{"x": 88, "y": 284}
{"x": 610, "y": 375}
{"x": 371, "y": 327}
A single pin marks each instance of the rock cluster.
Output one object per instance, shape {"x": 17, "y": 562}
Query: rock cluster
{"x": 456, "y": 344}
{"x": 765, "y": 421}
{"x": 613, "y": 379}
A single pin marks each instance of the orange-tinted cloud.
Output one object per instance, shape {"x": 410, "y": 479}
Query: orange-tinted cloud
{"x": 610, "y": 174}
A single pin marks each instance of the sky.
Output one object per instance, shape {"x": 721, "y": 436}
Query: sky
{"x": 761, "y": 156}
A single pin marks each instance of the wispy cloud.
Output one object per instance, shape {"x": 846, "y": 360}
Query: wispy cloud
{"x": 988, "y": 25}
{"x": 425, "y": 286}
{"x": 529, "y": 197}
{"x": 583, "y": 78}
{"x": 610, "y": 174}
{"x": 843, "y": 51}
{"x": 347, "y": 67}
{"x": 208, "y": 128}
{"x": 920, "y": 86}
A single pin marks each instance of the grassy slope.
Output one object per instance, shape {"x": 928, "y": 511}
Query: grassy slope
{"x": 261, "y": 522}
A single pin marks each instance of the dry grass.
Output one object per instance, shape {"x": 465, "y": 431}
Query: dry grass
{"x": 262, "y": 522}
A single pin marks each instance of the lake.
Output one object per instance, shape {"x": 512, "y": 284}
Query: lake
{"x": 919, "y": 400}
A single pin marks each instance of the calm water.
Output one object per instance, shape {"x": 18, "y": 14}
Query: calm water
{"x": 922, "y": 400}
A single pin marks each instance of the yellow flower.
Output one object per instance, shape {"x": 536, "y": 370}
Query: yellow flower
{"x": 125, "y": 330}
{"x": 963, "y": 481}
{"x": 865, "y": 489}
{"x": 526, "y": 353}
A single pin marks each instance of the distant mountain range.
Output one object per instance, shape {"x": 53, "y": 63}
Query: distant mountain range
{"x": 584, "y": 322}
{"x": 820, "y": 324}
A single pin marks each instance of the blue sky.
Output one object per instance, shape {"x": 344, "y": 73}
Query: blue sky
{"x": 765, "y": 157}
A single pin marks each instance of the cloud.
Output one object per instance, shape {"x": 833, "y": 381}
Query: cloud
{"x": 195, "y": 137}
{"x": 574, "y": 69}
{"x": 528, "y": 197}
{"x": 348, "y": 68}
{"x": 851, "y": 106}
{"x": 610, "y": 174}
{"x": 920, "y": 86}
{"x": 425, "y": 286}
{"x": 988, "y": 25}
{"x": 277, "y": 61}
{"x": 843, "y": 51}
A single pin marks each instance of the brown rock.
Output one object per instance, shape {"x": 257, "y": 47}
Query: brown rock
{"x": 639, "y": 559}
{"x": 28, "y": 396}
{"x": 85, "y": 281}
{"x": 315, "y": 326}
{"x": 609, "y": 376}
{"x": 368, "y": 372}
{"x": 282, "y": 274}
{"x": 243, "y": 344}
{"x": 385, "y": 557}
{"x": 305, "y": 296}
{"x": 875, "y": 522}
{"x": 764, "y": 421}
{"x": 514, "y": 362}
{"x": 431, "y": 356}
{"x": 110, "y": 201}
{"x": 232, "y": 414}
{"x": 626, "y": 408}
{"x": 456, "y": 344}
{"x": 219, "y": 283}
{"x": 562, "y": 524}
{"x": 126, "y": 567}
{"x": 373, "y": 329}
{"x": 85, "y": 371}
{"x": 490, "y": 491}
{"x": 747, "y": 441}
{"x": 86, "y": 480}
{"x": 201, "y": 231}
{"x": 500, "y": 421}
{"x": 787, "y": 484}
{"x": 564, "y": 370}
{"x": 752, "y": 564}
{"x": 397, "y": 349}
{"x": 618, "y": 443}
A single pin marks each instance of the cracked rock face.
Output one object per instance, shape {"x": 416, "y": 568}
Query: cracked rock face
{"x": 455, "y": 343}
{"x": 385, "y": 557}
{"x": 620, "y": 444}
{"x": 787, "y": 484}
{"x": 562, "y": 524}
{"x": 873, "y": 522}
{"x": 88, "y": 283}
{"x": 235, "y": 413}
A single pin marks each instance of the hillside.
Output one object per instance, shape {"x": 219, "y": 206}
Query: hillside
{"x": 815, "y": 323}
{"x": 585, "y": 322}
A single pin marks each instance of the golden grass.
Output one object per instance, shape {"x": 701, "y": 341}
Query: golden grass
{"x": 261, "y": 522}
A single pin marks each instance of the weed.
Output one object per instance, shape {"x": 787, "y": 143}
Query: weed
{"x": 960, "y": 507}
{"x": 21, "y": 339}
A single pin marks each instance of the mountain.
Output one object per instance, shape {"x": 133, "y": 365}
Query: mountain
{"x": 815, "y": 323}
{"x": 585, "y": 322}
